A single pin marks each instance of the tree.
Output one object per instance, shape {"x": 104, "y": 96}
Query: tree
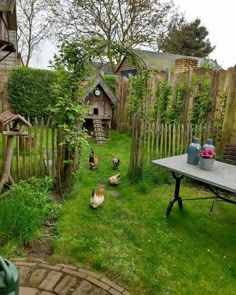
{"x": 129, "y": 22}
{"x": 33, "y": 26}
{"x": 187, "y": 39}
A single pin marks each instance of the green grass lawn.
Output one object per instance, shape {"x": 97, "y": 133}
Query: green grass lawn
{"x": 130, "y": 240}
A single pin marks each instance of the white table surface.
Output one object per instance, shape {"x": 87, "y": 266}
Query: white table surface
{"x": 222, "y": 175}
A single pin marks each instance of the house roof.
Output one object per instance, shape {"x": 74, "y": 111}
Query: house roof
{"x": 100, "y": 81}
{"x": 7, "y": 5}
{"x": 165, "y": 61}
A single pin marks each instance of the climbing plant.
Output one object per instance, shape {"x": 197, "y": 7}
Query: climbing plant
{"x": 202, "y": 103}
{"x": 137, "y": 108}
{"x": 70, "y": 89}
{"x": 163, "y": 96}
{"x": 219, "y": 117}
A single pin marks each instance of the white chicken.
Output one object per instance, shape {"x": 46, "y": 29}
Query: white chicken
{"x": 114, "y": 180}
{"x": 97, "y": 199}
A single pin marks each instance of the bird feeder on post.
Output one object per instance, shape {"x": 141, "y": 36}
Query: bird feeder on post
{"x": 11, "y": 125}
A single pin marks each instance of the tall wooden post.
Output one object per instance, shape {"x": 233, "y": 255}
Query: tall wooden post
{"x": 7, "y": 163}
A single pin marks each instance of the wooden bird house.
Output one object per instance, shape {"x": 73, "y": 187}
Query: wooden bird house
{"x": 13, "y": 124}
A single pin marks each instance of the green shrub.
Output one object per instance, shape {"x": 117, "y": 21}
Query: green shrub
{"x": 27, "y": 207}
{"x": 157, "y": 176}
{"x": 30, "y": 91}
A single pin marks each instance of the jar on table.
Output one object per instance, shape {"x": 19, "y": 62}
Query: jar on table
{"x": 208, "y": 145}
{"x": 194, "y": 152}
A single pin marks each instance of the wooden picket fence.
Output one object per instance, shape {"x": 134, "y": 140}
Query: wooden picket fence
{"x": 34, "y": 154}
{"x": 167, "y": 140}
{"x": 222, "y": 84}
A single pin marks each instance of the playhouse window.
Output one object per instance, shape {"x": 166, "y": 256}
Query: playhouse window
{"x": 95, "y": 111}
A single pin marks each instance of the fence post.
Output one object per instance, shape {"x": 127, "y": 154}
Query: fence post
{"x": 228, "y": 125}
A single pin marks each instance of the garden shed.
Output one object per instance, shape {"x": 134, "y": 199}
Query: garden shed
{"x": 101, "y": 102}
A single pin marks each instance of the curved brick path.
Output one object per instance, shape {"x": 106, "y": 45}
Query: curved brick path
{"x": 37, "y": 277}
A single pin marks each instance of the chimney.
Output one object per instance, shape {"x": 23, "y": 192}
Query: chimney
{"x": 185, "y": 64}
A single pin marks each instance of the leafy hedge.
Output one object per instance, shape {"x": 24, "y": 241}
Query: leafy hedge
{"x": 30, "y": 91}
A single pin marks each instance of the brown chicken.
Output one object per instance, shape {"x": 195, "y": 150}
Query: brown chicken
{"x": 93, "y": 160}
{"x": 97, "y": 199}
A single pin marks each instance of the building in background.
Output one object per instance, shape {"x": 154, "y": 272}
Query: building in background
{"x": 159, "y": 61}
{"x": 8, "y": 47}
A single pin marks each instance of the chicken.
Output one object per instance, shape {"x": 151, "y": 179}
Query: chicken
{"x": 115, "y": 162}
{"x": 97, "y": 199}
{"x": 114, "y": 180}
{"x": 93, "y": 160}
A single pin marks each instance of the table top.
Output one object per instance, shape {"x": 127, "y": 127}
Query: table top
{"x": 222, "y": 175}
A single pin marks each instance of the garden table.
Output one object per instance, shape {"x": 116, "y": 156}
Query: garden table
{"x": 221, "y": 180}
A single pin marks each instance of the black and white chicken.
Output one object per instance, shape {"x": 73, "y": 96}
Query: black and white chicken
{"x": 115, "y": 162}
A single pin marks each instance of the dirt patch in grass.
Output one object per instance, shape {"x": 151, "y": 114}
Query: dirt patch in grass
{"x": 113, "y": 193}
{"x": 42, "y": 247}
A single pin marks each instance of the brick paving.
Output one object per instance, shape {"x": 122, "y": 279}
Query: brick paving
{"x": 37, "y": 277}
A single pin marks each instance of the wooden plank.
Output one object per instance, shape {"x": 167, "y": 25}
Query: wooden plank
{"x": 182, "y": 138}
{"x": 158, "y": 131}
{"x": 17, "y": 174}
{"x": 153, "y": 128}
{"x": 161, "y": 141}
{"x": 30, "y": 152}
{"x": 178, "y": 139}
{"x": 41, "y": 140}
{"x": 169, "y": 140}
{"x": 174, "y": 141}
{"x": 149, "y": 131}
{"x": 23, "y": 151}
{"x": 53, "y": 151}
{"x": 35, "y": 147}
{"x": 47, "y": 149}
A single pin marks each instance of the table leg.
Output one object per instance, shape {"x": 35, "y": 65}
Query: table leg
{"x": 176, "y": 197}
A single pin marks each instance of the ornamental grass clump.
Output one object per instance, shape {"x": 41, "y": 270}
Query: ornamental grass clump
{"x": 24, "y": 211}
{"x": 208, "y": 153}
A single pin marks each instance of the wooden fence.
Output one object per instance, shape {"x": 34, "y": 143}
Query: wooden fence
{"x": 167, "y": 140}
{"x": 34, "y": 154}
{"x": 222, "y": 82}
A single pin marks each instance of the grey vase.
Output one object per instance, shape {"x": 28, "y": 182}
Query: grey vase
{"x": 206, "y": 163}
{"x": 208, "y": 145}
{"x": 194, "y": 152}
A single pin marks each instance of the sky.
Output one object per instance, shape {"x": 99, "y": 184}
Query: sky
{"x": 219, "y": 19}
{"x": 217, "y": 16}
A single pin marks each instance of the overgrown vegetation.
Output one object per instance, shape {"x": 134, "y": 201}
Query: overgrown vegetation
{"x": 24, "y": 211}
{"x": 111, "y": 82}
{"x": 30, "y": 92}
